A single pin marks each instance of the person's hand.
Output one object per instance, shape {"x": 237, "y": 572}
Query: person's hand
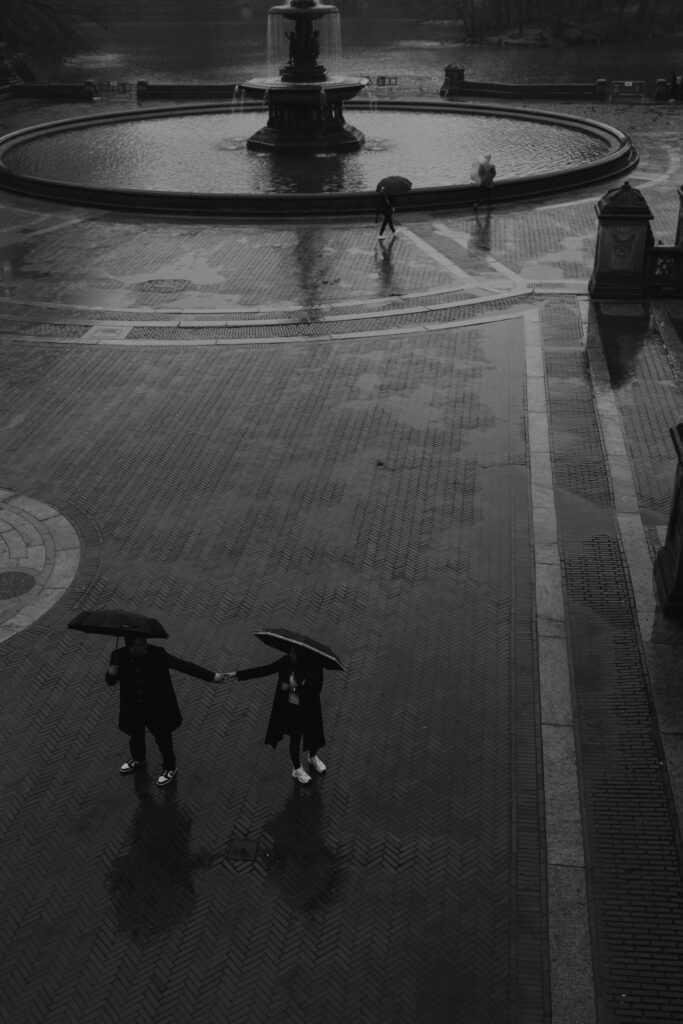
{"x": 230, "y": 675}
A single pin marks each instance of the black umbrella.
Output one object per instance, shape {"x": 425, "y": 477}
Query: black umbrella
{"x": 116, "y": 622}
{"x": 283, "y": 639}
{"x": 394, "y": 185}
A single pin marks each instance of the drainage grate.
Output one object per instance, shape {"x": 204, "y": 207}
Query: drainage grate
{"x": 165, "y": 285}
{"x": 585, "y": 479}
{"x": 15, "y": 584}
{"x": 595, "y": 578}
{"x": 303, "y": 328}
{"x": 240, "y": 850}
{"x": 43, "y": 330}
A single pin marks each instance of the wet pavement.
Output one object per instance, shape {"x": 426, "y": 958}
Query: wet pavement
{"x": 438, "y": 455}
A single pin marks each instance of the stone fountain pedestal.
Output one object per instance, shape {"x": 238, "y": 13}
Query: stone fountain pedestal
{"x": 305, "y": 117}
{"x": 305, "y": 106}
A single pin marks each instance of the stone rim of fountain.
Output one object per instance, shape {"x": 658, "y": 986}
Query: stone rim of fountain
{"x": 620, "y": 160}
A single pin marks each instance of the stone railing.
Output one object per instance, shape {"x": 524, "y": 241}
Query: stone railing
{"x": 403, "y": 85}
{"x": 664, "y": 271}
{"x": 455, "y": 86}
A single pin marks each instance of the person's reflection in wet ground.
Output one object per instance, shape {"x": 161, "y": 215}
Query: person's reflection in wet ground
{"x": 385, "y": 268}
{"x": 151, "y": 884}
{"x": 305, "y": 869}
{"x": 480, "y": 235}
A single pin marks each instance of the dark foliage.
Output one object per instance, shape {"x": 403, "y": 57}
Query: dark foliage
{"x": 45, "y": 30}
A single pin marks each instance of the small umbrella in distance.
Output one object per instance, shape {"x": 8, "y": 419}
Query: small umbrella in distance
{"x": 394, "y": 185}
{"x": 283, "y": 639}
{"x": 116, "y": 622}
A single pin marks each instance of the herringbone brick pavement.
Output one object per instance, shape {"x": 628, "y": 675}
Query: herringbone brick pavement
{"x": 144, "y": 264}
{"x": 375, "y": 493}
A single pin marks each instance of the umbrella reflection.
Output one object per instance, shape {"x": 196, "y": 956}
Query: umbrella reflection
{"x": 305, "y": 869}
{"x": 385, "y": 266}
{"x": 151, "y": 885}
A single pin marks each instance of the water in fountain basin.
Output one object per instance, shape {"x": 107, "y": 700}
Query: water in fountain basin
{"x": 207, "y": 153}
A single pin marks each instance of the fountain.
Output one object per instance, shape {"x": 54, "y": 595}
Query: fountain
{"x": 220, "y": 160}
{"x": 305, "y": 105}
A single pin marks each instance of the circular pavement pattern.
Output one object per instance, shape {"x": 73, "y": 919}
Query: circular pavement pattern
{"x": 39, "y": 556}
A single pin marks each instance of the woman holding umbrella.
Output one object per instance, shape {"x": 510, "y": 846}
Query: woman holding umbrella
{"x": 296, "y": 710}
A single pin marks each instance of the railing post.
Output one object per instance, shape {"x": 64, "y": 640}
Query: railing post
{"x": 454, "y": 76}
{"x": 679, "y": 226}
{"x": 621, "y": 251}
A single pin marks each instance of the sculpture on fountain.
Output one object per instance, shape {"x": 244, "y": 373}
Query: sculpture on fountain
{"x": 305, "y": 104}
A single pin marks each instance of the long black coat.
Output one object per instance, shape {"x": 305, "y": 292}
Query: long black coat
{"x": 146, "y": 693}
{"x": 313, "y": 735}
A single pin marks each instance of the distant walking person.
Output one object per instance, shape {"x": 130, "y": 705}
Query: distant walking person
{"x": 483, "y": 174}
{"x": 296, "y": 710}
{"x": 147, "y": 699}
{"x": 386, "y": 206}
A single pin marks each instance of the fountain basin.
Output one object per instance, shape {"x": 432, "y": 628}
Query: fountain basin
{"x": 333, "y": 88}
{"x": 305, "y": 117}
{"x": 618, "y": 157}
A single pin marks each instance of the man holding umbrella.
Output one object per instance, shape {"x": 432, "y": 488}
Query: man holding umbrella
{"x": 147, "y": 699}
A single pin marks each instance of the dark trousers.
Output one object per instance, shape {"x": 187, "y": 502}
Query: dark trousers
{"x": 484, "y": 195}
{"x": 387, "y": 222}
{"x": 295, "y": 730}
{"x": 164, "y": 741}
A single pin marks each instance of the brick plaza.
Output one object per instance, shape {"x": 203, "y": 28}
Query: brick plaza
{"x": 437, "y": 455}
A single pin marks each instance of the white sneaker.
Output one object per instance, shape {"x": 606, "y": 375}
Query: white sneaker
{"x": 316, "y": 764}
{"x": 301, "y": 776}
{"x": 166, "y": 776}
{"x": 130, "y": 766}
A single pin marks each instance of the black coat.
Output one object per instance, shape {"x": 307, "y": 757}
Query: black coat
{"x": 146, "y": 693}
{"x": 313, "y": 735}
{"x": 386, "y": 206}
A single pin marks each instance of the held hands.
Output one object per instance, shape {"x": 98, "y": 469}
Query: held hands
{"x": 223, "y": 677}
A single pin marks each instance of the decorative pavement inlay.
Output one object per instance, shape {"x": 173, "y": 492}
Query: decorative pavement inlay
{"x": 39, "y": 556}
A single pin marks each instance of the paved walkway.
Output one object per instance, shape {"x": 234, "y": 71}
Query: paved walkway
{"x": 441, "y": 457}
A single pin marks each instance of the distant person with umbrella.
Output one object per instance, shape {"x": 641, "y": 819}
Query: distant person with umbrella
{"x": 296, "y": 710}
{"x": 387, "y": 190}
{"x": 147, "y": 699}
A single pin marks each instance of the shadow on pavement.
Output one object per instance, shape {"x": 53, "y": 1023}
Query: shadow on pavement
{"x": 151, "y": 885}
{"x": 305, "y": 869}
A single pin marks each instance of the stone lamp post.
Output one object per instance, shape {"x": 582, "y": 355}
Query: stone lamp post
{"x": 624, "y": 238}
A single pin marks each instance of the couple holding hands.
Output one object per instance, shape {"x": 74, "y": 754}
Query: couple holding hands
{"x": 147, "y": 701}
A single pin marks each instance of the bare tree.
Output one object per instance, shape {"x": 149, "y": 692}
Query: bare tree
{"x": 44, "y": 30}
